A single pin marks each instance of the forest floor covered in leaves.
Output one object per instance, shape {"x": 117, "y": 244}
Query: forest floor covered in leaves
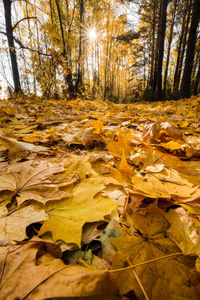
{"x": 99, "y": 200}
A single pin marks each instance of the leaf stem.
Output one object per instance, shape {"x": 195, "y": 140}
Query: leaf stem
{"x": 145, "y": 262}
{"x": 84, "y": 263}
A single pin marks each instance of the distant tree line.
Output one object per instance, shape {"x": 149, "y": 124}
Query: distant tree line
{"x": 96, "y": 49}
{"x": 168, "y": 49}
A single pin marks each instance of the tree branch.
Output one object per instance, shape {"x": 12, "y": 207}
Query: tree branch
{"x": 7, "y": 81}
{"x": 26, "y": 18}
{"x": 32, "y": 5}
{"x": 128, "y": 37}
{"x": 24, "y": 47}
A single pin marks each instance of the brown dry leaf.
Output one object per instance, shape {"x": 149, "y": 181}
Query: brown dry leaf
{"x": 183, "y": 231}
{"x": 13, "y": 226}
{"x": 148, "y": 187}
{"x": 154, "y": 169}
{"x": 100, "y": 157}
{"x": 90, "y": 232}
{"x": 32, "y": 182}
{"x": 19, "y": 150}
{"x": 151, "y": 131}
{"x": 178, "y": 178}
{"x": 124, "y": 174}
{"x": 81, "y": 137}
{"x": 165, "y": 178}
{"x": 79, "y": 164}
{"x": 137, "y": 158}
{"x": 197, "y": 265}
{"x": 167, "y": 278}
{"x": 117, "y": 194}
{"x": 192, "y": 146}
{"x": 49, "y": 280}
{"x": 135, "y": 205}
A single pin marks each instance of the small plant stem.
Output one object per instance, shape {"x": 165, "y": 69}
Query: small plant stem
{"x": 126, "y": 205}
{"x": 129, "y": 261}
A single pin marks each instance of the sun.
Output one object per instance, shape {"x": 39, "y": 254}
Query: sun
{"x": 92, "y": 34}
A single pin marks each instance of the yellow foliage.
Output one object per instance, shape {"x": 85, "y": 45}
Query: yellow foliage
{"x": 98, "y": 126}
{"x": 171, "y": 145}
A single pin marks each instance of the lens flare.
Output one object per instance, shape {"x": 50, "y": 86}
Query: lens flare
{"x": 92, "y": 34}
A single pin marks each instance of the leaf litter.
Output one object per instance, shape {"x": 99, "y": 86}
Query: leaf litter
{"x": 99, "y": 200}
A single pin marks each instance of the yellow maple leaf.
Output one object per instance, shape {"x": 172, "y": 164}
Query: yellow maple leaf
{"x": 122, "y": 145}
{"x": 51, "y": 130}
{"x": 98, "y": 126}
{"x": 124, "y": 167}
{"x": 184, "y": 124}
{"x": 67, "y": 218}
{"x": 171, "y": 145}
{"x": 191, "y": 114}
{"x": 31, "y": 139}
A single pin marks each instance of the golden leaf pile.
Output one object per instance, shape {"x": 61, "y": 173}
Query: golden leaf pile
{"x": 99, "y": 200}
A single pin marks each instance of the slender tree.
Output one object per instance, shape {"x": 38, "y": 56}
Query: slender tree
{"x": 197, "y": 81}
{"x": 157, "y": 88}
{"x": 80, "y": 75}
{"x": 11, "y": 44}
{"x": 174, "y": 8}
{"x": 187, "y": 7}
{"x": 186, "y": 79}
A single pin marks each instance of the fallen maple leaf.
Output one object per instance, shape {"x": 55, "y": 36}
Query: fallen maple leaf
{"x": 29, "y": 182}
{"x": 81, "y": 137}
{"x": 121, "y": 146}
{"x": 19, "y": 150}
{"x": 151, "y": 131}
{"x": 167, "y": 277}
{"x": 13, "y": 226}
{"x": 49, "y": 280}
{"x": 183, "y": 231}
{"x": 66, "y": 218}
{"x": 90, "y": 232}
{"x": 171, "y": 145}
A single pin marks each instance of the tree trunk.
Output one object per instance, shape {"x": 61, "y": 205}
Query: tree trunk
{"x": 106, "y": 62}
{"x": 152, "y": 56}
{"x": 12, "y": 50}
{"x": 79, "y": 77}
{"x": 182, "y": 45}
{"x": 186, "y": 80}
{"x": 196, "y": 85}
{"x": 161, "y": 41}
{"x": 169, "y": 46}
{"x": 61, "y": 27}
